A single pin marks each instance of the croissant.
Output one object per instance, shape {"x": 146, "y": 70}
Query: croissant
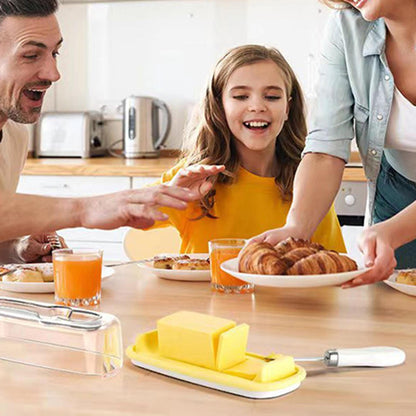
{"x": 261, "y": 258}
{"x": 244, "y": 264}
{"x": 297, "y": 254}
{"x": 291, "y": 243}
{"x": 292, "y": 257}
{"x": 322, "y": 262}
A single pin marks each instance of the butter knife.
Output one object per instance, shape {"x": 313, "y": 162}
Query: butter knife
{"x": 124, "y": 263}
{"x": 361, "y": 357}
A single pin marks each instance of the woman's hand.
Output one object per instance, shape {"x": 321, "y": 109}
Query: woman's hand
{"x": 197, "y": 177}
{"x": 276, "y": 235}
{"x": 377, "y": 248}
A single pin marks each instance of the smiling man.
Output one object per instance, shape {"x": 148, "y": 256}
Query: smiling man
{"x": 29, "y": 43}
{"x": 30, "y": 39}
{"x": 28, "y": 50}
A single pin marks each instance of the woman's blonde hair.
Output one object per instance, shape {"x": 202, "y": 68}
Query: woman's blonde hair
{"x": 209, "y": 140}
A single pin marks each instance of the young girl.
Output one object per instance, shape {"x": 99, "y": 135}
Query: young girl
{"x": 242, "y": 153}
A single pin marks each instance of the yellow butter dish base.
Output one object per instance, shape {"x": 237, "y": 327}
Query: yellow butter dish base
{"x": 210, "y": 351}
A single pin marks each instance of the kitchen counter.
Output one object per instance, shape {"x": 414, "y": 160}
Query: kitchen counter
{"x": 112, "y": 166}
{"x": 299, "y": 322}
{"x": 99, "y": 166}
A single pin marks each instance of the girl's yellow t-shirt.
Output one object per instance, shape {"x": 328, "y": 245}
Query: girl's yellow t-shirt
{"x": 249, "y": 206}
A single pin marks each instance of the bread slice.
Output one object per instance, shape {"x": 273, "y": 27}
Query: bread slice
{"x": 24, "y": 275}
{"x": 191, "y": 264}
{"x": 408, "y": 277}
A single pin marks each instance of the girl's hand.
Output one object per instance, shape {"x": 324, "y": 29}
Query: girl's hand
{"x": 378, "y": 252}
{"x": 196, "y": 177}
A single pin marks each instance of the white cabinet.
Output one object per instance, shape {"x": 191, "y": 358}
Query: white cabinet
{"x": 70, "y": 186}
{"x": 73, "y": 186}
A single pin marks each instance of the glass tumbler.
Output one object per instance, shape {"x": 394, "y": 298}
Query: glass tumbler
{"x": 220, "y": 250}
{"x": 77, "y": 274}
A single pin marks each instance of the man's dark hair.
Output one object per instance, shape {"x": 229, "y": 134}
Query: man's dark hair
{"x": 27, "y": 8}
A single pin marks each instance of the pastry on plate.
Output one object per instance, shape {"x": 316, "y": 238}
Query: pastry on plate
{"x": 167, "y": 262}
{"x": 323, "y": 262}
{"x": 408, "y": 277}
{"x": 292, "y": 257}
{"x": 163, "y": 262}
{"x": 291, "y": 243}
{"x": 191, "y": 264}
{"x": 24, "y": 274}
{"x": 3, "y": 270}
{"x": 46, "y": 271}
{"x": 261, "y": 258}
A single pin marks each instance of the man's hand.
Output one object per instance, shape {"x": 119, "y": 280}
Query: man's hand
{"x": 378, "y": 253}
{"x": 35, "y": 248}
{"x": 196, "y": 178}
{"x": 137, "y": 208}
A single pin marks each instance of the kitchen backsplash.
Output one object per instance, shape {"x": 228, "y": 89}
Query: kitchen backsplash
{"x": 167, "y": 49}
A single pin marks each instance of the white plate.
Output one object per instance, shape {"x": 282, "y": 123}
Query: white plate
{"x": 316, "y": 280}
{"x": 401, "y": 287}
{"x": 47, "y": 287}
{"x": 185, "y": 275}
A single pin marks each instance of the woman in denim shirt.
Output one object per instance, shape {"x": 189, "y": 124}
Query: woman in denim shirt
{"x": 366, "y": 89}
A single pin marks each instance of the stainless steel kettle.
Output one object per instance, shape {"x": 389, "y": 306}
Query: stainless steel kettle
{"x": 141, "y": 135}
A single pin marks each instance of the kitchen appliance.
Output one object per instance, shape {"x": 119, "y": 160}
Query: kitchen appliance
{"x": 69, "y": 134}
{"x": 350, "y": 206}
{"x": 141, "y": 126}
{"x": 350, "y": 203}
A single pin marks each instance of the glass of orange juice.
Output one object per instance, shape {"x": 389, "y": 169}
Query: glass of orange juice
{"x": 77, "y": 275}
{"x": 220, "y": 250}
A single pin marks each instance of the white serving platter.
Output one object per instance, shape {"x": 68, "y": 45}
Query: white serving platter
{"x": 333, "y": 279}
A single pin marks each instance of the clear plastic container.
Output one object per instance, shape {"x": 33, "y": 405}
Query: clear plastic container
{"x": 59, "y": 337}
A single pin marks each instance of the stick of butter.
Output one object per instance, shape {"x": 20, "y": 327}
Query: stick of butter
{"x": 257, "y": 369}
{"x": 197, "y": 338}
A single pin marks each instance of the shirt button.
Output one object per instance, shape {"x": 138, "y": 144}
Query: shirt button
{"x": 373, "y": 152}
{"x": 379, "y": 117}
{"x": 386, "y": 77}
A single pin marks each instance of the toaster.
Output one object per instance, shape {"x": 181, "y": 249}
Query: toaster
{"x": 69, "y": 134}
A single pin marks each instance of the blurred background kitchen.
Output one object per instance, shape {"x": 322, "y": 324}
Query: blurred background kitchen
{"x": 165, "y": 49}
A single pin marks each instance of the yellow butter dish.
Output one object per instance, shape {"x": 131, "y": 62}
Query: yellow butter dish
{"x": 210, "y": 351}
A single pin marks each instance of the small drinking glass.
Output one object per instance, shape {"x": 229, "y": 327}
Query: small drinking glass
{"x": 77, "y": 275}
{"x": 220, "y": 250}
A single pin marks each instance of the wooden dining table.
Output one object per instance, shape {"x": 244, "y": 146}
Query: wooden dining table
{"x": 298, "y": 322}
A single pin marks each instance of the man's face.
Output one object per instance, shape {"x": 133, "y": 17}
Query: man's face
{"x": 28, "y": 50}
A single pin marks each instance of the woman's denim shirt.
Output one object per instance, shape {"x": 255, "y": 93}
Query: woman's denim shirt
{"x": 354, "y": 94}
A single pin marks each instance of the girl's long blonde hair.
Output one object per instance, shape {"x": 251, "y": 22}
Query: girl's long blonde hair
{"x": 208, "y": 139}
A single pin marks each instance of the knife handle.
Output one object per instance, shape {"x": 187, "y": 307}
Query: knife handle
{"x": 365, "y": 357}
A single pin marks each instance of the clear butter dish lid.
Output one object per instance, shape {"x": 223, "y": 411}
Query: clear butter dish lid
{"x": 59, "y": 337}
